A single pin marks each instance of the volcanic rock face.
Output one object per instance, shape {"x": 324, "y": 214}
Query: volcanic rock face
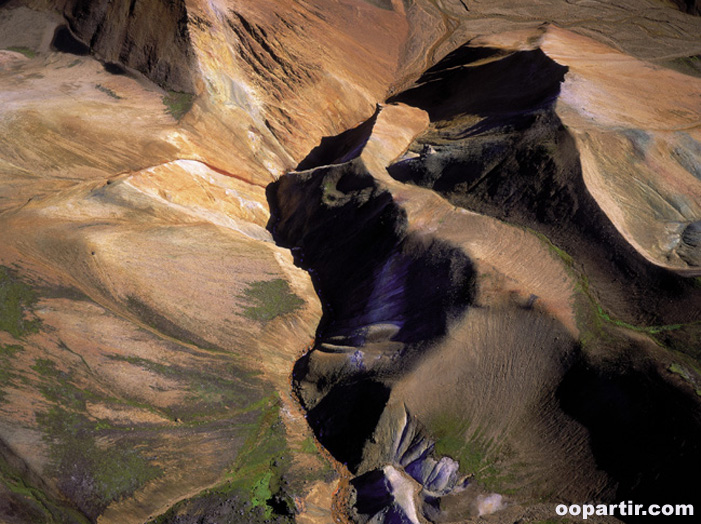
{"x": 471, "y": 239}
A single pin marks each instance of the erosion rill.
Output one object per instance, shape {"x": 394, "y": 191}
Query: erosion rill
{"x": 491, "y": 238}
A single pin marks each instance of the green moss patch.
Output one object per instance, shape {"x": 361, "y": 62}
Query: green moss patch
{"x": 255, "y": 489}
{"x": 29, "y": 53}
{"x": 7, "y": 376}
{"x": 108, "y": 92}
{"x": 177, "y": 103}
{"x": 17, "y": 302}
{"x": 308, "y": 446}
{"x": 90, "y": 474}
{"x": 269, "y": 299}
{"x": 10, "y": 350}
{"x": 474, "y": 452}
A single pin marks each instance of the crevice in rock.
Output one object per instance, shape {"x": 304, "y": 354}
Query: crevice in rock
{"x": 386, "y": 293}
{"x": 346, "y": 417}
{"x": 368, "y": 270}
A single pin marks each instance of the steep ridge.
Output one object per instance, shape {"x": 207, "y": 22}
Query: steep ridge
{"x": 517, "y": 160}
{"x": 249, "y": 84}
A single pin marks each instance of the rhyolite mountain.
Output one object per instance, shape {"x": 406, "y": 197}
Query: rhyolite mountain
{"x": 363, "y": 261}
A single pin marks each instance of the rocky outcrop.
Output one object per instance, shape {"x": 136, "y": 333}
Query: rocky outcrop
{"x": 150, "y": 37}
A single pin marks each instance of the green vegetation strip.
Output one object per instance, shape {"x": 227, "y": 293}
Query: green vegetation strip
{"x": 269, "y": 299}
{"x": 7, "y": 376}
{"x": 177, "y": 103}
{"x": 474, "y": 453}
{"x": 17, "y": 302}
{"x": 683, "y": 372}
{"x": 583, "y": 283}
{"x": 29, "y": 53}
{"x": 254, "y": 489}
{"x": 92, "y": 475}
{"x": 263, "y": 460}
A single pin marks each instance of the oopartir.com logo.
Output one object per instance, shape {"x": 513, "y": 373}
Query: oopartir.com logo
{"x": 624, "y": 509}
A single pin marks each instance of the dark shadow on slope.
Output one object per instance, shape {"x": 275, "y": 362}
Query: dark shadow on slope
{"x": 382, "y": 4}
{"x": 645, "y": 433}
{"x": 372, "y": 497}
{"x": 501, "y": 150}
{"x": 352, "y": 238}
{"x": 152, "y": 38}
{"x": 65, "y": 42}
{"x": 496, "y": 146}
{"x": 373, "y": 492}
{"x": 370, "y": 274}
{"x": 114, "y": 68}
{"x": 691, "y": 7}
{"x": 509, "y": 84}
{"x": 340, "y": 148}
{"x": 346, "y": 418}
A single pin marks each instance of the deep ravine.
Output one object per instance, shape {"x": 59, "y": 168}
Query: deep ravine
{"x": 403, "y": 295}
